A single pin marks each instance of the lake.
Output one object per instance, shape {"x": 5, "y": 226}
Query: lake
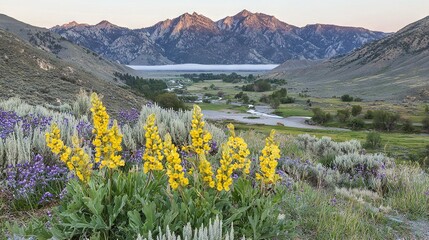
{"x": 190, "y": 67}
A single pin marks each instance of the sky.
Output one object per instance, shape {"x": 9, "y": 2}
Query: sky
{"x": 381, "y": 15}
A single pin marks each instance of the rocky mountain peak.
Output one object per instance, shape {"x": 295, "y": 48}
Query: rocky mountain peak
{"x": 73, "y": 24}
{"x": 194, "y": 20}
{"x": 253, "y": 21}
{"x": 106, "y": 24}
{"x": 244, "y": 13}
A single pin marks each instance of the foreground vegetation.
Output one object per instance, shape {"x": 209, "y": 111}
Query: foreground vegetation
{"x": 159, "y": 171}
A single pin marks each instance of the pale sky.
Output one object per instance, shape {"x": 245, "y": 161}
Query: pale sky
{"x": 382, "y": 15}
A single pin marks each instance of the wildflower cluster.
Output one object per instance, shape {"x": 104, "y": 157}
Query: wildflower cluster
{"x": 224, "y": 172}
{"x": 80, "y": 161}
{"x": 200, "y": 137}
{"x": 129, "y": 117}
{"x": 76, "y": 159}
{"x": 34, "y": 179}
{"x": 153, "y": 153}
{"x": 9, "y": 120}
{"x": 205, "y": 169}
{"x": 268, "y": 161}
{"x": 54, "y": 142}
{"x": 239, "y": 151}
{"x": 175, "y": 173}
{"x": 107, "y": 141}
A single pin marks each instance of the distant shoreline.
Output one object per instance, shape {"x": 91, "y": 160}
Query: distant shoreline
{"x": 205, "y": 67}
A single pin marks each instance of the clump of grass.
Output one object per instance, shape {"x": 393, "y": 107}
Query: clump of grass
{"x": 409, "y": 191}
{"x": 321, "y": 215}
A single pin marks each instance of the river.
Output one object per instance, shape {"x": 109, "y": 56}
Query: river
{"x": 257, "y": 117}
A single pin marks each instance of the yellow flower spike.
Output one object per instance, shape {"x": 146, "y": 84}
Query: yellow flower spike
{"x": 206, "y": 171}
{"x": 152, "y": 156}
{"x": 268, "y": 161}
{"x": 224, "y": 172}
{"x": 176, "y": 176}
{"x": 199, "y": 137}
{"x": 75, "y": 159}
{"x": 107, "y": 141}
{"x": 239, "y": 151}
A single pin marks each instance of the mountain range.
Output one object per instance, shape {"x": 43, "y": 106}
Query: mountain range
{"x": 42, "y": 67}
{"x": 251, "y": 38}
{"x": 395, "y": 67}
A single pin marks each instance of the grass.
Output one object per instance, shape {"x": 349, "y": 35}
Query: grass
{"x": 219, "y": 107}
{"x": 319, "y": 217}
{"x": 395, "y": 143}
{"x": 288, "y": 110}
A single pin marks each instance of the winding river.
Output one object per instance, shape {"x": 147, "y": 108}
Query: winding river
{"x": 261, "y": 116}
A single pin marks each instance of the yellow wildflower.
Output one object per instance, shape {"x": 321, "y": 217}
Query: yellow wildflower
{"x": 176, "y": 176}
{"x": 152, "y": 156}
{"x": 76, "y": 159}
{"x": 239, "y": 151}
{"x": 107, "y": 141}
{"x": 224, "y": 172}
{"x": 206, "y": 172}
{"x": 200, "y": 137}
{"x": 268, "y": 161}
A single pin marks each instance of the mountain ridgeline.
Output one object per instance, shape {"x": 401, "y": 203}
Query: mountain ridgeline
{"x": 252, "y": 38}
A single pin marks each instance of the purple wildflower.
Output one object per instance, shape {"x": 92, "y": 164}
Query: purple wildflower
{"x": 130, "y": 116}
{"x": 31, "y": 179}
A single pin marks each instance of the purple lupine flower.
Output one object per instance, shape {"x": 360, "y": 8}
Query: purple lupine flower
{"x": 46, "y": 197}
{"x": 63, "y": 193}
{"x": 35, "y": 179}
{"x": 8, "y": 121}
{"x": 130, "y": 116}
{"x": 49, "y": 214}
{"x": 214, "y": 148}
{"x": 333, "y": 201}
{"x": 84, "y": 129}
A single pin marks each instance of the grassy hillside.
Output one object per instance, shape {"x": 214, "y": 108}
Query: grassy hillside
{"x": 42, "y": 68}
{"x": 38, "y": 77}
{"x": 393, "y": 68}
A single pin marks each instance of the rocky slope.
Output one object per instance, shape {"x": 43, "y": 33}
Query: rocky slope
{"x": 395, "y": 67}
{"x": 193, "y": 38}
{"x": 42, "y": 68}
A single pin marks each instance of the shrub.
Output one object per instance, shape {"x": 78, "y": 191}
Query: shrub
{"x": 407, "y": 126}
{"x": 170, "y": 100}
{"x": 373, "y": 140}
{"x": 369, "y": 114}
{"x": 364, "y": 170}
{"x": 343, "y": 115}
{"x": 274, "y": 103}
{"x": 356, "y": 110}
{"x": 287, "y": 100}
{"x": 346, "y": 98}
{"x": 425, "y": 124}
{"x": 385, "y": 121}
{"x": 319, "y": 116}
{"x": 356, "y": 123}
{"x": 325, "y": 147}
